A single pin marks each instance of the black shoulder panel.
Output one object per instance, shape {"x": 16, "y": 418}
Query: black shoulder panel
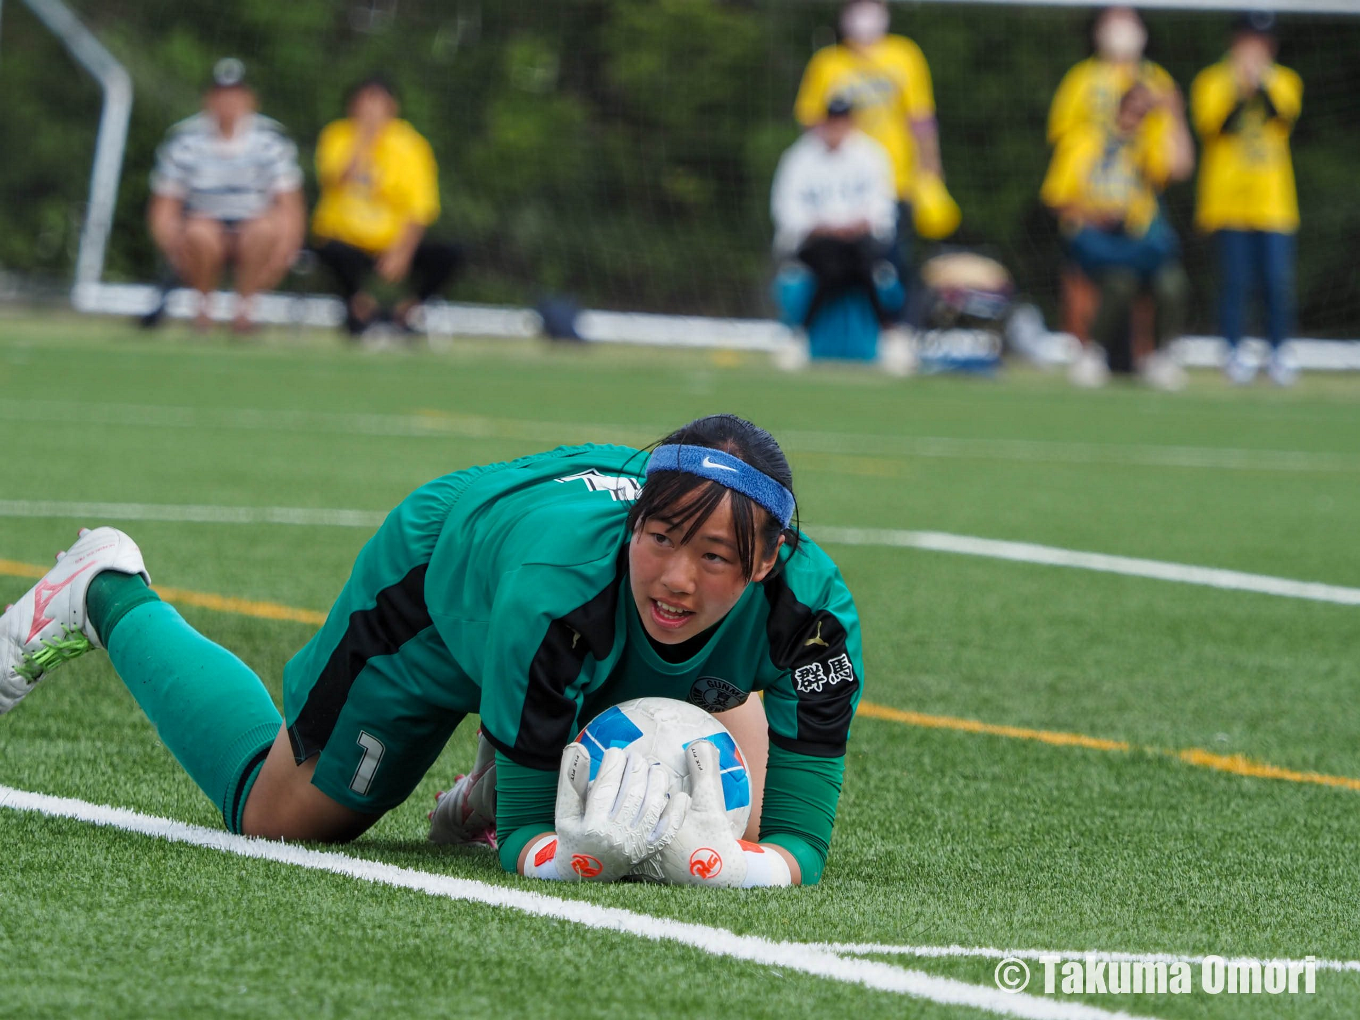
{"x": 548, "y": 720}
{"x": 811, "y": 645}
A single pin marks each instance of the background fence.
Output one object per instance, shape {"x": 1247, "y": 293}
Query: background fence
{"x": 622, "y": 150}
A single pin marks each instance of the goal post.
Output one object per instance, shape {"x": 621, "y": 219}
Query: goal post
{"x": 110, "y": 140}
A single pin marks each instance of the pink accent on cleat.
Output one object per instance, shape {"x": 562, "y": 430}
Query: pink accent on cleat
{"x": 43, "y": 595}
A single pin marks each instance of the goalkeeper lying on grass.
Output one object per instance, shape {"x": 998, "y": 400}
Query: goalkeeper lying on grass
{"x": 534, "y": 593}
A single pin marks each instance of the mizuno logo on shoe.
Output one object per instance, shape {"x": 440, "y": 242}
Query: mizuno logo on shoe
{"x": 43, "y": 595}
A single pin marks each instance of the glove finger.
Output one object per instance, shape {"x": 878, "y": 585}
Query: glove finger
{"x": 632, "y": 791}
{"x": 705, "y": 779}
{"x": 605, "y": 790}
{"x": 572, "y": 781}
{"x": 654, "y": 798}
{"x": 677, "y": 810}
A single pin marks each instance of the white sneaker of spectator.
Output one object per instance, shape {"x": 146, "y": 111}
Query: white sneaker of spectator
{"x": 1090, "y": 370}
{"x": 792, "y": 355}
{"x": 1239, "y": 369}
{"x": 897, "y": 352}
{"x": 1161, "y": 371}
{"x": 1284, "y": 367}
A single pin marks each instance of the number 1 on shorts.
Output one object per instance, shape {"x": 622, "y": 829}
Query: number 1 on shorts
{"x": 368, "y": 765}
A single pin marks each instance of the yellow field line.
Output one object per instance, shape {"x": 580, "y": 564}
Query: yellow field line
{"x": 1236, "y": 764}
{"x": 12, "y": 569}
{"x": 945, "y": 722}
{"x": 242, "y": 607}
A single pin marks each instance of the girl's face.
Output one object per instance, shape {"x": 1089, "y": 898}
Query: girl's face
{"x": 682, "y": 590}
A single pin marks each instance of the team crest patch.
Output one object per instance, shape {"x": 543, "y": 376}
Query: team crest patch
{"x": 810, "y": 679}
{"x": 715, "y": 695}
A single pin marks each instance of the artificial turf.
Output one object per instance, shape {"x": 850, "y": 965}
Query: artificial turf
{"x": 944, "y": 836}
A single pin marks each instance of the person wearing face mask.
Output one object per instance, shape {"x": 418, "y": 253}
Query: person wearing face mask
{"x": 1244, "y": 108}
{"x": 886, "y": 79}
{"x": 1103, "y": 184}
{"x": 1086, "y": 103}
{"x": 1091, "y": 90}
{"x": 379, "y": 195}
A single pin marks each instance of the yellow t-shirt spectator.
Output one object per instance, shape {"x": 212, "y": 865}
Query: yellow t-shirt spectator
{"x": 1097, "y": 173}
{"x": 1090, "y": 92}
{"x": 1246, "y": 177}
{"x": 397, "y": 184}
{"x": 889, "y": 84}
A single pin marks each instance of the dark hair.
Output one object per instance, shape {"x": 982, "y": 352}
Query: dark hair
{"x": 376, "y": 80}
{"x": 682, "y": 498}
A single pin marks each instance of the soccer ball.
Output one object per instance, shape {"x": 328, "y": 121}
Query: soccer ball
{"x": 660, "y": 729}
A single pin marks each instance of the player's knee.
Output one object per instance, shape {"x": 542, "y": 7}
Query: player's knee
{"x": 261, "y": 232}
{"x": 1120, "y": 284}
{"x": 204, "y": 237}
{"x": 1171, "y": 285}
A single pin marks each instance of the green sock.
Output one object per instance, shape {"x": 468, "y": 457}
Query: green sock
{"x": 208, "y": 707}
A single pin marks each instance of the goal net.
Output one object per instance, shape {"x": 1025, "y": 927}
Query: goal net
{"x": 621, "y": 151}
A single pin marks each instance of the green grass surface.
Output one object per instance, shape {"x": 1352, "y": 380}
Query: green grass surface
{"x": 943, "y": 836}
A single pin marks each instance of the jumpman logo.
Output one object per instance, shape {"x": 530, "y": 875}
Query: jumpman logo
{"x": 816, "y": 639}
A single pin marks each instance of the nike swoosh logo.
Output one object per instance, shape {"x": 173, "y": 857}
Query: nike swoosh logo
{"x": 721, "y": 467}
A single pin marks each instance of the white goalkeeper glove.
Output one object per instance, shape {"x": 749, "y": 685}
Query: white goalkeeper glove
{"x": 466, "y": 815}
{"x": 626, "y": 816}
{"x": 704, "y": 850}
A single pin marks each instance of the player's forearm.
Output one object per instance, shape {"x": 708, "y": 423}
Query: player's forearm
{"x": 524, "y": 809}
{"x": 293, "y": 218}
{"x": 165, "y": 221}
{"x": 1282, "y": 101}
{"x": 799, "y": 810}
{"x": 927, "y": 135}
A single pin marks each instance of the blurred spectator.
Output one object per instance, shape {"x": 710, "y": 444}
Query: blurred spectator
{"x": 1091, "y": 90}
{"x": 887, "y": 80}
{"x": 1103, "y": 184}
{"x": 833, "y": 205}
{"x": 379, "y": 194}
{"x": 227, "y": 190}
{"x": 1244, "y": 108}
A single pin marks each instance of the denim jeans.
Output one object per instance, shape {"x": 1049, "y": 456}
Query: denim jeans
{"x": 1255, "y": 261}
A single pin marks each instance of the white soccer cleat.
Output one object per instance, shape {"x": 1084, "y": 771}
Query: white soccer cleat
{"x": 466, "y": 815}
{"x": 49, "y": 625}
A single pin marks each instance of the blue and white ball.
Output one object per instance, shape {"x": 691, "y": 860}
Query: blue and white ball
{"x": 660, "y": 729}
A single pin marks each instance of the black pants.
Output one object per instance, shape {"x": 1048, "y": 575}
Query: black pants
{"x": 432, "y": 264}
{"x": 841, "y": 266}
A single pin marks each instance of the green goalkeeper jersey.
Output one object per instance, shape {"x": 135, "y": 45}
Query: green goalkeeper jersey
{"x": 527, "y": 593}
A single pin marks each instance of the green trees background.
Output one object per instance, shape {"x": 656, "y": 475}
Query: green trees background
{"x": 621, "y": 150}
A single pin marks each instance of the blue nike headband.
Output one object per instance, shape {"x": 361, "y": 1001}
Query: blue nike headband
{"x": 727, "y": 470}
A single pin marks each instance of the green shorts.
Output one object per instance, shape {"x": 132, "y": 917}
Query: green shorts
{"x": 375, "y": 694}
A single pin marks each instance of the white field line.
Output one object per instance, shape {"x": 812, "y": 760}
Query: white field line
{"x": 986, "y": 952}
{"x": 192, "y": 513}
{"x": 934, "y": 541}
{"x": 794, "y": 956}
{"x": 1025, "y": 552}
{"x": 794, "y": 441}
